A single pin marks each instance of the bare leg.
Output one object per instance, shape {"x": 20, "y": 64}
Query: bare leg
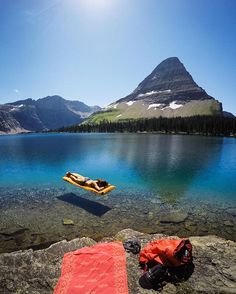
{"x": 79, "y": 180}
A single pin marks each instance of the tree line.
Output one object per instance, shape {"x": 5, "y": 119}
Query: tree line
{"x": 204, "y": 125}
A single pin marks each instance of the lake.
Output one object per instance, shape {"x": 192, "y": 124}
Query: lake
{"x": 172, "y": 184}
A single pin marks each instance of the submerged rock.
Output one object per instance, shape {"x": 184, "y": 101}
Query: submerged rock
{"x": 228, "y": 223}
{"x": 38, "y": 271}
{"x": 175, "y": 216}
{"x": 67, "y": 221}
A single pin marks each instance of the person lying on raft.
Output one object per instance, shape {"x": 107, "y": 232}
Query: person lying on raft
{"x": 98, "y": 184}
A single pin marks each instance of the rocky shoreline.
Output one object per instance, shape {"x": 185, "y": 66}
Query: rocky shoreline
{"x": 33, "y": 218}
{"x": 28, "y": 271}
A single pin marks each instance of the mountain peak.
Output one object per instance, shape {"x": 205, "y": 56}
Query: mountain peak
{"x": 171, "y": 61}
{"x": 169, "y": 91}
{"x": 170, "y": 74}
{"x": 169, "y": 77}
{"x": 171, "y": 64}
{"x": 55, "y": 98}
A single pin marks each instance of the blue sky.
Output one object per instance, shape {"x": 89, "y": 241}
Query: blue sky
{"x": 97, "y": 51}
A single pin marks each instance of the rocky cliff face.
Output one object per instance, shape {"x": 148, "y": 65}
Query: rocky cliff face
{"x": 8, "y": 124}
{"x": 38, "y": 271}
{"x": 168, "y": 82}
{"x": 168, "y": 91}
{"x": 43, "y": 114}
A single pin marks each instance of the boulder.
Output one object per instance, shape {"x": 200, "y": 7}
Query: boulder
{"x": 175, "y": 216}
{"x": 67, "y": 221}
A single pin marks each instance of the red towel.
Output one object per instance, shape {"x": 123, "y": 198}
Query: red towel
{"x": 100, "y": 269}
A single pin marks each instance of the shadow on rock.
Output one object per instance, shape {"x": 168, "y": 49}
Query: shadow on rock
{"x": 90, "y": 206}
{"x": 158, "y": 276}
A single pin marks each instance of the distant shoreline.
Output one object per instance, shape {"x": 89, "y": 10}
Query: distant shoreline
{"x": 145, "y": 132}
{"x": 117, "y": 132}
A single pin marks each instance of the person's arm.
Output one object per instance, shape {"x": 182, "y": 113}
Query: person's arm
{"x": 96, "y": 186}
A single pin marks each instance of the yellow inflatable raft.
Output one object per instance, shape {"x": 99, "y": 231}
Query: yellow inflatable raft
{"x": 101, "y": 192}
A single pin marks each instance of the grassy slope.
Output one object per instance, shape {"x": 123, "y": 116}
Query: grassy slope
{"x": 110, "y": 115}
{"x": 140, "y": 110}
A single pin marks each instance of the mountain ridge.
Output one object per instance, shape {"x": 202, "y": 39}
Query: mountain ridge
{"x": 43, "y": 114}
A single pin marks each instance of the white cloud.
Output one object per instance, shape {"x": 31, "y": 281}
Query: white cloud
{"x": 16, "y": 91}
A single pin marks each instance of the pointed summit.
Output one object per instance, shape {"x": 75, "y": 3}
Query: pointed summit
{"x": 171, "y": 62}
{"x": 169, "y": 91}
{"x": 169, "y": 81}
{"x": 171, "y": 74}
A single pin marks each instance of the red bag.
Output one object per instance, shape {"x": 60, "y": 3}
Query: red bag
{"x": 170, "y": 253}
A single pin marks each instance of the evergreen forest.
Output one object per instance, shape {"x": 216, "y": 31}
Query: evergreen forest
{"x": 202, "y": 125}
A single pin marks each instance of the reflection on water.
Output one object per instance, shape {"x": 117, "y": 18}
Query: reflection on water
{"x": 165, "y": 183}
{"x": 167, "y": 165}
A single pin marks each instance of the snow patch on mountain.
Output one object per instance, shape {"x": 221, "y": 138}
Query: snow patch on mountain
{"x": 147, "y": 94}
{"x": 173, "y": 105}
{"x": 16, "y": 107}
{"x": 154, "y": 105}
{"x": 130, "y": 103}
{"x": 154, "y": 92}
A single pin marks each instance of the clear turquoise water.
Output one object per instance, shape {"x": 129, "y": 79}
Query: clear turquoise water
{"x": 182, "y": 166}
{"x": 172, "y": 184}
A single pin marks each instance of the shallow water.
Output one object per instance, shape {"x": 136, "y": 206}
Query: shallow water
{"x": 173, "y": 184}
